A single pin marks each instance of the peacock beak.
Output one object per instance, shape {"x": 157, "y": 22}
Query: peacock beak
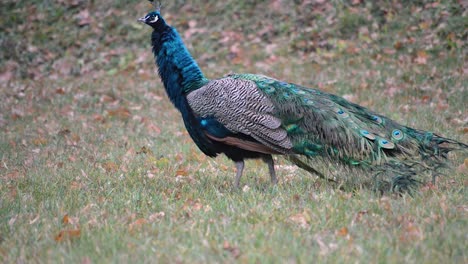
{"x": 142, "y": 19}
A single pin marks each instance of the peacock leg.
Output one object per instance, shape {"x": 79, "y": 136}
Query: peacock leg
{"x": 240, "y": 169}
{"x": 271, "y": 168}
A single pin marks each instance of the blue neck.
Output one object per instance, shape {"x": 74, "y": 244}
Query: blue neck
{"x": 177, "y": 69}
{"x": 180, "y": 75}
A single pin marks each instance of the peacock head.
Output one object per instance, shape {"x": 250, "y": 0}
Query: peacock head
{"x": 153, "y": 19}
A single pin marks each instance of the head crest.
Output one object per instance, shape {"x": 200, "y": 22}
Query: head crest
{"x": 157, "y": 5}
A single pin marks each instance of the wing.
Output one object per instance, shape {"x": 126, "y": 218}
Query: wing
{"x": 237, "y": 112}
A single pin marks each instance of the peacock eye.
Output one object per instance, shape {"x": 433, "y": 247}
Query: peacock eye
{"x": 397, "y": 134}
{"x": 154, "y": 19}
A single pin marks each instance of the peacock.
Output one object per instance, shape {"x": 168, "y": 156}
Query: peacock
{"x": 251, "y": 116}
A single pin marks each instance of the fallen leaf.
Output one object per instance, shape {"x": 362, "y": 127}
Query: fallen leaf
{"x": 64, "y": 66}
{"x": 12, "y": 192}
{"x": 98, "y": 118}
{"x": 75, "y": 185}
{"x": 12, "y": 175}
{"x": 39, "y": 141}
{"x": 121, "y": 113}
{"x": 150, "y": 174}
{"x": 428, "y": 186}
{"x": 152, "y": 128}
{"x": 342, "y": 232}
{"x": 197, "y": 206}
{"x": 86, "y": 260}
{"x": 75, "y": 138}
{"x": 137, "y": 224}
{"x": 385, "y": 204}
{"x": 65, "y": 220}
{"x": 60, "y": 91}
{"x": 182, "y": 172}
{"x": 144, "y": 150}
{"x": 296, "y": 197}
{"x": 411, "y": 232}
{"x": 12, "y": 221}
{"x": 301, "y": 219}
{"x": 67, "y": 234}
{"x": 83, "y": 18}
{"x": 110, "y": 166}
{"x": 64, "y": 132}
{"x": 156, "y": 216}
{"x": 107, "y": 99}
{"x": 421, "y": 57}
{"x": 398, "y": 45}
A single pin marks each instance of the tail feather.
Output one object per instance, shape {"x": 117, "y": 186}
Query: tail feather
{"x": 396, "y": 172}
{"x": 325, "y": 130}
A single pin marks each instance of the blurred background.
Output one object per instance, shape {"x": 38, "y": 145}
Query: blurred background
{"x": 66, "y": 38}
{"x": 96, "y": 165}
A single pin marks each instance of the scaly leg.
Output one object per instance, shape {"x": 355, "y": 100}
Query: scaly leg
{"x": 240, "y": 169}
{"x": 271, "y": 168}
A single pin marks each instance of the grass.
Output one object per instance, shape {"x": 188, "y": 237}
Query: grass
{"x": 96, "y": 166}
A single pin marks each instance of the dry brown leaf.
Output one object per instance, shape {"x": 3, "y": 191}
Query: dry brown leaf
{"x": 156, "y": 216}
{"x": 64, "y": 132}
{"x": 12, "y": 175}
{"x": 429, "y": 186}
{"x": 17, "y": 113}
{"x": 86, "y": 260}
{"x": 65, "y": 220}
{"x": 110, "y": 166}
{"x": 39, "y": 141}
{"x": 98, "y": 118}
{"x": 152, "y": 128}
{"x": 121, "y": 113}
{"x": 12, "y": 192}
{"x": 301, "y": 219}
{"x": 75, "y": 185}
{"x": 389, "y": 51}
{"x": 398, "y": 45}
{"x": 411, "y": 232}
{"x": 83, "y": 18}
{"x": 6, "y": 76}
{"x": 421, "y": 57}
{"x": 181, "y": 172}
{"x": 67, "y": 235}
{"x": 107, "y": 99}
{"x": 64, "y": 66}
{"x": 296, "y": 197}
{"x": 385, "y": 204}
{"x": 197, "y": 206}
{"x": 342, "y": 232}
{"x": 60, "y": 91}
{"x": 75, "y": 137}
{"x": 137, "y": 224}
